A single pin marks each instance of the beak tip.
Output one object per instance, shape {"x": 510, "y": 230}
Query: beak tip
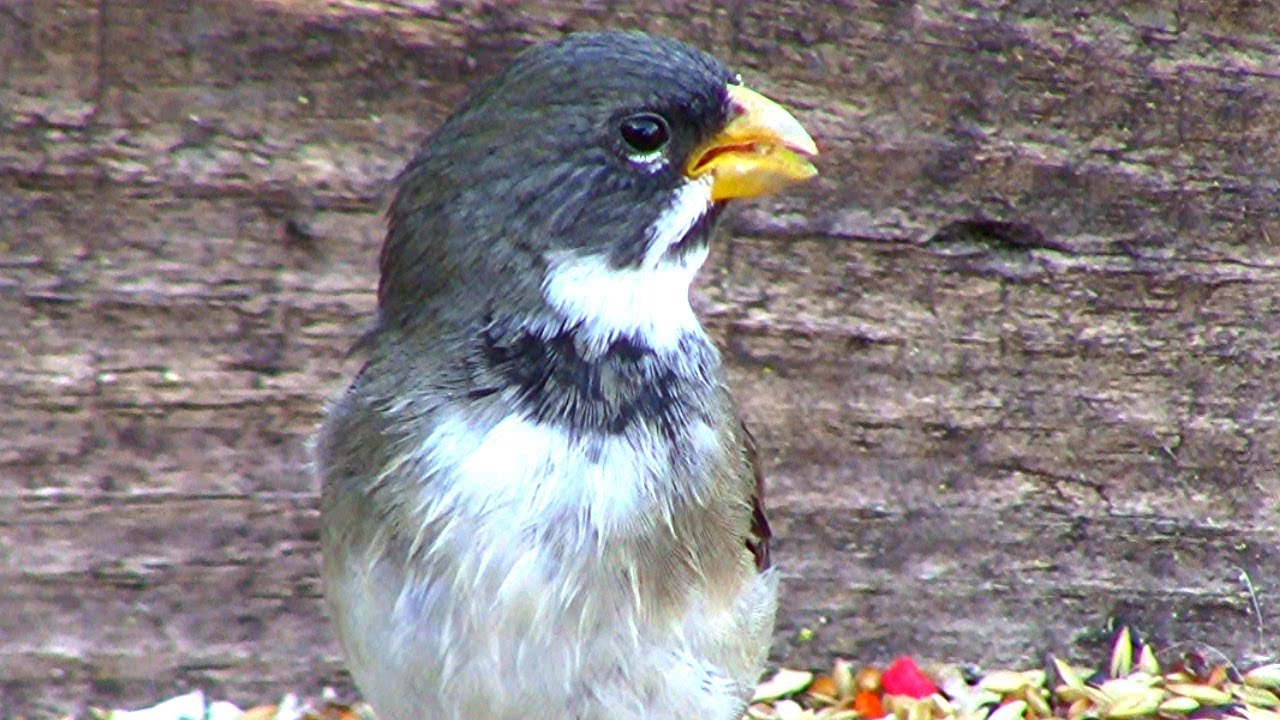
{"x": 806, "y": 147}
{"x": 761, "y": 149}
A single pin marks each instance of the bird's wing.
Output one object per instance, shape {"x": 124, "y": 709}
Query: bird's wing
{"x": 758, "y": 539}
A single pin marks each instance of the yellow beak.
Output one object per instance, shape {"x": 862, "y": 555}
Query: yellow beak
{"x": 762, "y": 149}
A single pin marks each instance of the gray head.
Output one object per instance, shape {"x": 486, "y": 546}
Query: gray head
{"x": 578, "y": 185}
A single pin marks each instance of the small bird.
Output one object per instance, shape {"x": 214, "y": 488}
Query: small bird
{"x": 538, "y": 499}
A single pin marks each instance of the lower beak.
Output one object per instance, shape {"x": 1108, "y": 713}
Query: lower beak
{"x": 760, "y": 150}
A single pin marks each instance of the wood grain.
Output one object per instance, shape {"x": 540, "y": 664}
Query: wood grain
{"x": 1011, "y": 360}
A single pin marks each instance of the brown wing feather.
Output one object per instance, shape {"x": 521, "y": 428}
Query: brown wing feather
{"x": 758, "y": 540}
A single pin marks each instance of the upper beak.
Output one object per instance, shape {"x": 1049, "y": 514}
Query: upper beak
{"x": 762, "y": 149}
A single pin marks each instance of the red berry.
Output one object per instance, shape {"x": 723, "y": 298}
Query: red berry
{"x": 903, "y": 677}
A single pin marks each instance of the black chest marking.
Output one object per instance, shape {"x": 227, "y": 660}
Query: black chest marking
{"x": 626, "y": 385}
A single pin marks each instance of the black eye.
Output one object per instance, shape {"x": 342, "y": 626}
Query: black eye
{"x": 645, "y": 132}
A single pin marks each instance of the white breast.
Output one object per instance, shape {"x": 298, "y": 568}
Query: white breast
{"x": 518, "y": 473}
{"x": 517, "y": 606}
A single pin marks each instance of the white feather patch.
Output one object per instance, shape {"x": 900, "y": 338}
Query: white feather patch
{"x": 650, "y": 302}
{"x": 518, "y": 473}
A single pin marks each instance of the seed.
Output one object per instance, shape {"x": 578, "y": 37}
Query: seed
{"x": 1254, "y": 695}
{"x": 1202, "y": 694}
{"x": 920, "y": 710}
{"x": 791, "y": 710}
{"x": 824, "y": 688}
{"x": 1004, "y": 682}
{"x": 1035, "y": 678}
{"x": 1123, "y": 687}
{"x": 941, "y": 705}
{"x": 1147, "y": 662}
{"x": 868, "y": 678}
{"x": 1178, "y": 705}
{"x": 1082, "y": 708}
{"x": 898, "y": 705}
{"x": 1069, "y": 675}
{"x": 1141, "y": 678}
{"x": 1253, "y": 713}
{"x": 1267, "y": 676}
{"x": 1012, "y": 710}
{"x": 976, "y": 703}
{"x": 1135, "y": 705}
{"x": 785, "y": 682}
{"x": 1122, "y": 654}
{"x": 842, "y": 673}
{"x": 1037, "y": 701}
{"x": 1070, "y": 693}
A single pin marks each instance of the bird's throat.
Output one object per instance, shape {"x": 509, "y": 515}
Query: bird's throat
{"x": 640, "y": 289}
{"x": 625, "y": 388}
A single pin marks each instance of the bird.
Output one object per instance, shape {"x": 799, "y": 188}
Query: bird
{"x": 537, "y": 497}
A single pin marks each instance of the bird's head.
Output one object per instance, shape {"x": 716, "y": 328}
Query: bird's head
{"x": 578, "y": 190}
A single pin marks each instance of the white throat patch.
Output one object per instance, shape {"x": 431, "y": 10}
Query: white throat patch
{"x": 650, "y": 302}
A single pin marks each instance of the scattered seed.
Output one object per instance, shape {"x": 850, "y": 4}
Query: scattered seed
{"x": 1070, "y": 676}
{"x": 1123, "y": 688}
{"x": 842, "y": 673}
{"x": 791, "y": 710}
{"x": 1253, "y": 713}
{"x": 1178, "y": 705}
{"x": 784, "y": 682}
{"x": 1038, "y": 702}
{"x": 1135, "y": 705}
{"x": 868, "y": 679}
{"x": 1267, "y": 676}
{"x": 1122, "y": 654}
{"x": 1202, "y": 694}
{"x": 1070, "y": 693}
{"x": 825, "y": 686}
{"x": 1250, "y": 695}
{"x": 1147, "y": 662}
{"x": 1012, "y": 710}
{"x": 1004, "y": 682}
{"x": 1082, "y": 708}
{"x": 920, "y": 710}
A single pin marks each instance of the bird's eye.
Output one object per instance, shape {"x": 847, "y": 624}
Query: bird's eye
{"x": 645, "y": 132}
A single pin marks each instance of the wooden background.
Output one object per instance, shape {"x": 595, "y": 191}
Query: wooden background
{"x": 1014, "y": 357}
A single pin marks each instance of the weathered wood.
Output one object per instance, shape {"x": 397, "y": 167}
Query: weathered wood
{"x": 1012, "y": 359}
